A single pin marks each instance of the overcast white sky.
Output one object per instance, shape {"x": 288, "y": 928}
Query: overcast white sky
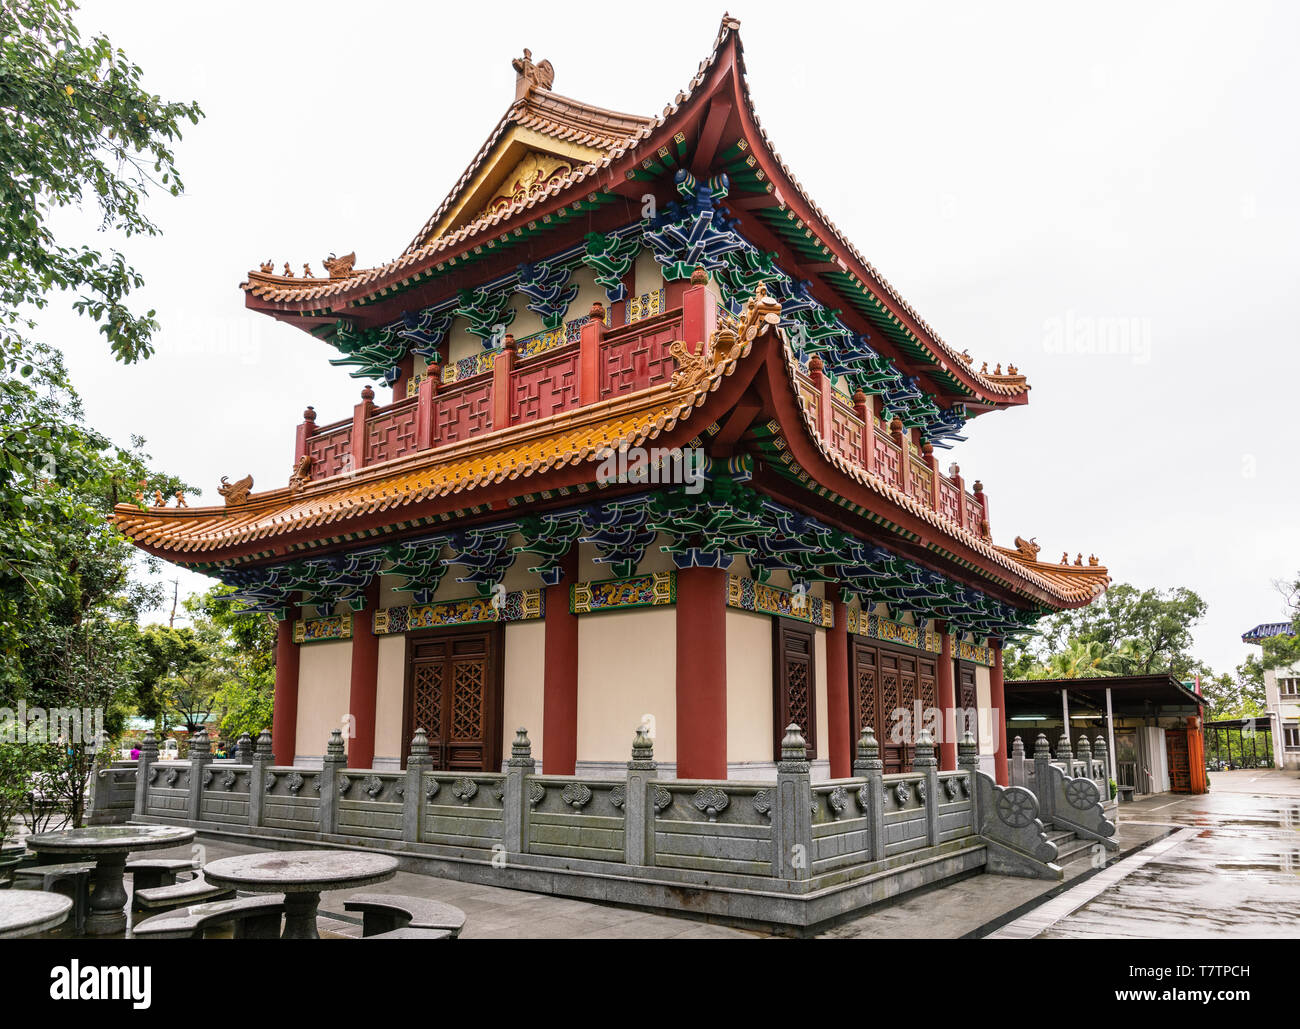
{"x": 1022, "y": 173}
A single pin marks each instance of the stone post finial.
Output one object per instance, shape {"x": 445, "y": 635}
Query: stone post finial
{"x": 643, "y": 749}
{"x": 868, "y": 756}
{"x": 1017, "y": 747}
{"x": 1041, "y": 747}
{"x": 262, "y": 750}
{"x": 1063, "y": 752}
{"x": 1084, "y": 749}
{"x": 521, "y": 750}
{"x": 420, "y": 743}
{"x": 794, "y": 751}
{"x": 149, "y": 745}
{"x": 335, "y": 749}
{"x": 244, "y": 749}
{"x": 199, "y": 745}
{"x": 1099, "y": 751}
{"x": 967, "y": 750}
{"x": 924, "y": 757}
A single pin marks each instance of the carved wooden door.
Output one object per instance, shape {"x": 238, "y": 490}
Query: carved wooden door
{"x": 454, "y": 694}
{"x": 865, "y": 694}
{"x": 967, "y": 700}
{"x": 794, "y": 682}
{"x": 893, "y": 749}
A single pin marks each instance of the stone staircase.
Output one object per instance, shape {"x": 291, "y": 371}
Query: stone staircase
{"x": 1069, "y": 848}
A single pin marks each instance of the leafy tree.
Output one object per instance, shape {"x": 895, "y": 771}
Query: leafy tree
{"x": 1282, "y": 651}
{"x": 77, "y": 129}
{"x": 1127, "y": 632}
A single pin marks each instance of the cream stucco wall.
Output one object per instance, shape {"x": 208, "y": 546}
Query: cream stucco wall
{"x": 525, "y": 661}
{"x": 389, "y": 696}
{"x": 627, "y": 668}
{"x": 324, "y": 686}
{"x": 749, "y": 687}
{"x": 820, "y": 713}
{"x": 984, "y": 702}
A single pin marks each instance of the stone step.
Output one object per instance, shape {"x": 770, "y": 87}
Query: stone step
{"x": 1073, "y": 849}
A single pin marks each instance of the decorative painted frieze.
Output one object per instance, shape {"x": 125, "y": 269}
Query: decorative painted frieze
{"x": 657, "y": 589}
{"x": 890, "y": 631}
{"x": 746, "y": 594}
{"x": 517, "y": 606}
{"x": 975, "y": 653}
{"x": 317, "y": 630}
{"x": 647, "y": 305}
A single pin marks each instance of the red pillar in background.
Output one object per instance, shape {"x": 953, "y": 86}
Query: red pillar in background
{"x": 838, "y": 711}
{"x": 701, "y": 673}
{"x": 947, "y": 703}
{"x": 998, "y": 702}
{"x": 365, "y": 683}
{"x": 284, "y": 712}
{"x": 560, "y": 675}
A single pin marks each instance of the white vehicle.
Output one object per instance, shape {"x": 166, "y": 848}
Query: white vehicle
{"x": 170, "y": 751}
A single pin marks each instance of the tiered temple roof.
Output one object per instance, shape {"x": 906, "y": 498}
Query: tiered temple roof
{"x": 804, "y": 477}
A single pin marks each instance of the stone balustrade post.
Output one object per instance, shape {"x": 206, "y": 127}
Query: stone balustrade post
{"x": 1083, "y": 754}
{"x": 968, "y": 760}
{"x": 517, "y": 807}
{"x": 259, "y": 764}
{"x": 793, "y": 808}
{"x": 418, "y": 762}
{"x": 868, "y": 765}
{"x": 331, "y": 766}
{"x": 638, "y": 808}
{"x": 200, "y": 758}
{"x": 244, "y": 749}
{"x": 1102, "y": 757}
{"x": 1043, "y": 777}
{"x": 148, "y": 755}
{"x": 1019, "y": 774}
{"x": 924, "y": 761}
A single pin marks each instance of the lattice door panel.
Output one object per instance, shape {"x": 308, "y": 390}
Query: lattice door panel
{"x": 453, "y": 698}
{"x": 795, "y": 683}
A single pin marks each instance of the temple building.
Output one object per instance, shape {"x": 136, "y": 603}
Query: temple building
{"x": 644, "y": 441}
{"x": 1281, "y": 699}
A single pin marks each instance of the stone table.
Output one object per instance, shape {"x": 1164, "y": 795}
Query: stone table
{"x": 108, "y": 846}
{"x": 302, "y": 876}
{"x": 28, "y": 912}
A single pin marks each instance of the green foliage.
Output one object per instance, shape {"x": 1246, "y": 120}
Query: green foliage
{"x": 78, "y": 131}
{"x": 1127, "y": 632}
{"x": 1282, "y": 651}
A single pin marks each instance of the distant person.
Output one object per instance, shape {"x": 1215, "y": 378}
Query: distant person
{"x": 135, "y": 753}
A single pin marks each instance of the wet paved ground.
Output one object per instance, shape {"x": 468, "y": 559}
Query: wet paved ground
{"x": 1232, "y": 871}
{"x": 1226, "y": 864}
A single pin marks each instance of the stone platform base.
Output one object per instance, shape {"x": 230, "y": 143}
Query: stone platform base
{"x": 787, "y": 907}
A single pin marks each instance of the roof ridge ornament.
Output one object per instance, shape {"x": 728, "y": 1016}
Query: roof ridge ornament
{"x": 529, "y": 76}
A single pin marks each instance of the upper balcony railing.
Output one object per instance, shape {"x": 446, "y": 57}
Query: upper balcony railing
{"x": 496, "y": 390}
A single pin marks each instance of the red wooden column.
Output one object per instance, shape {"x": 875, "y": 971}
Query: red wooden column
{"x": 701, "y": 673}
{"x": 284, "y": 712}
{"x": 699, "y": 311}
{"x": 838, "y": 713}
{"x": 998, "y": 702}
{"x": 560, "y": 676}
{"x": 365, "y": 683}
{"x": 360, "y": 414}
{"x": 947, "y": 703}
{"x": 593, "y": 331}
{"x": 503, "y": 369}
{"x": 306, "y": 429}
